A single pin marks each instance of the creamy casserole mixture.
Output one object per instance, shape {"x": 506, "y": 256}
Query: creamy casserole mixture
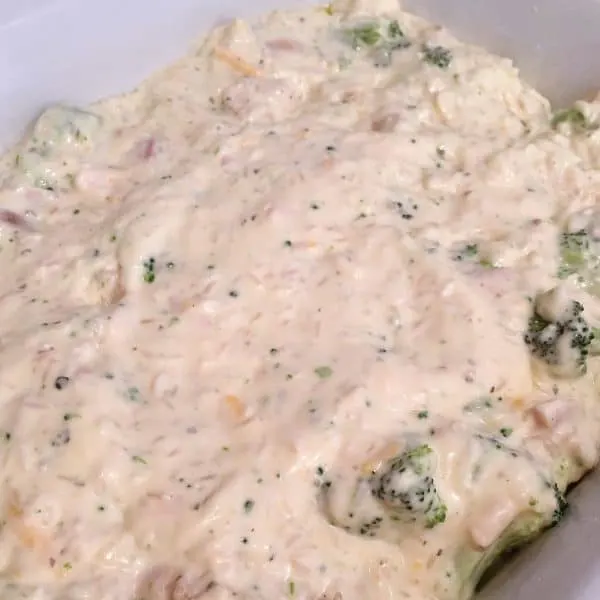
{"x": 309, "y": 314}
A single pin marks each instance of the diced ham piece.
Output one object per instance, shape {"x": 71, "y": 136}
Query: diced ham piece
{"x": 284, "y": 44}
{"x": 487, "y": 524}
{"x": 165, "y": 582}
{"x": 551, "y": 413}
{"x": 148, "y": 148}
{"x": 9, "y": 217}
{"x": 565, "y": 426}
{"x": 385, "y": 123}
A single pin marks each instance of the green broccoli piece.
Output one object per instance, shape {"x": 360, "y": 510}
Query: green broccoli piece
{"x": 562, "y": 505}
{"x": 574, "y": 248}
{"x": 437, "y": 56}
{"x": 381, "y": 38}
{"x": 580, "y": 258}
{"x": 59, "y": 131}
{"x": 397, "y": 500}
{"x": 386, "y": 34}
{"x": 395, "y": 38}
{"x": 573, "y": 116}
{"x": 595, "y": 345}
{"x": 394, "y": 30}
{"x": 466, "y": 252}
{"x": 401, "y": 499}
{"x": 406, "y": 487}
{"x": 473, "y": 565}
{"x": 60, "y": 126}
{"x": 364, "y": 35}
{"x": 562, "y": 343}
{"x": 471, "y": 253}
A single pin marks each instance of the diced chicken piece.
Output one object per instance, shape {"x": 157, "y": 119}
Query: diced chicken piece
{"x": 106, "y": 286}
{"x": 100, "y": 283}
{"x": 262, "y": 98}
{"x": 332, "y": 92}
{"x": 238, "y": 39}
{"x": 99, "y": 181}
{"x": 581, "y": 220}
{"x": 554, "y": 304}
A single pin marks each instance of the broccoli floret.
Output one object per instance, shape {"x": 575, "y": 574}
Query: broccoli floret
{"x": 406, "y": 486}
{"x": 396, "y": 500}
{"x": 437, "y": 55}
{"x": 561, "y": 341}
{"x": 466, "y": 252}
{"x": 575, "y": 117}
{"x": 382, "y": 33}
{"x": 367, "y": 34}
{"x": 59, "y": 131}
{"x": 380, "y": 37}
{"x": 60, "y": 126}
{"x": 471, "y": 253}
{"x": 580, "y": 256}
{"x": 574, "y": 248}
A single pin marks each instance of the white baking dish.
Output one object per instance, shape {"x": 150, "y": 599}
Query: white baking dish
{"x": 74, "y": 51}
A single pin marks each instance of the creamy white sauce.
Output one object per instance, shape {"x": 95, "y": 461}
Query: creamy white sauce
{"x": 241, "y": 290}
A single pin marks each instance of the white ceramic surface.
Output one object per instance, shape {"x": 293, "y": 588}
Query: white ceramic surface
{"x": 78, "y": 51}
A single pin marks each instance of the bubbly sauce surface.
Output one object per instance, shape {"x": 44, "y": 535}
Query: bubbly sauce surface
{"x": 309, "y": 314}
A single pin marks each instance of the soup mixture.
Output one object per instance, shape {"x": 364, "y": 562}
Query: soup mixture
{"x": 310, "y": 314}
